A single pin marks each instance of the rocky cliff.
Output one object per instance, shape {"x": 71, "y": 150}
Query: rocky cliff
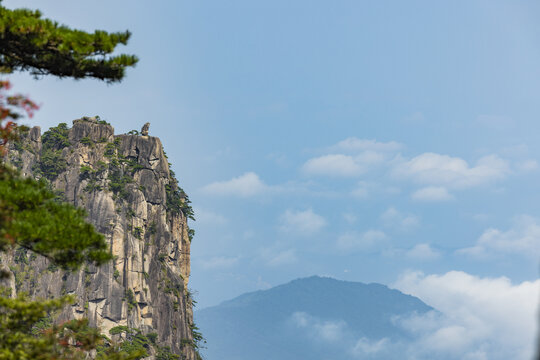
{"x": 132, "y": 197}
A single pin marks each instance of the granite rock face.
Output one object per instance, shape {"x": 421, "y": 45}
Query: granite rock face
{"x": 126, "y": 187}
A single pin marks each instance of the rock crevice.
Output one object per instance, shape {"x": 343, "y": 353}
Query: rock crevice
{"x": 126, "y": 187}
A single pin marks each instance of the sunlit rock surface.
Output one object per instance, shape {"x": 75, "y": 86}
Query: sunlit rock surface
{"x": 123, "y": 182}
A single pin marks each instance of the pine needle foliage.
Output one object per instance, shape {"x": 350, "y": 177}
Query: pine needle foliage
{"x": 31, "y": 218}
{"x": 22, "y": 338}
{"x": 41, "y": 46}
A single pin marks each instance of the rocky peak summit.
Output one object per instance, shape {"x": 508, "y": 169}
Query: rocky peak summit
{"x": 132, "y": 197}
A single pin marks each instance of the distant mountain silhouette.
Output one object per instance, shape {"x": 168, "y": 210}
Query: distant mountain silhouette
{"x": 314, "y": 318}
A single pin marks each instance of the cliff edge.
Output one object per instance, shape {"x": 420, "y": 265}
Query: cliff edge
{"x": 132, "y": 197}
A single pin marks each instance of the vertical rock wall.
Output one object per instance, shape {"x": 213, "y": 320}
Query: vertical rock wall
{"x": 124, "y": 183}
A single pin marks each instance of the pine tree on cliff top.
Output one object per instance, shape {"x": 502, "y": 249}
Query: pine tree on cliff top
{"x": 30, "y": 217}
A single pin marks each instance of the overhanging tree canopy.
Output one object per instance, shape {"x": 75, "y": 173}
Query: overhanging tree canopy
{"x": 43, "y": 47}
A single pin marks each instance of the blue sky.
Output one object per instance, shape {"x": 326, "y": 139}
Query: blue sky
{"x": 356, "y": 139}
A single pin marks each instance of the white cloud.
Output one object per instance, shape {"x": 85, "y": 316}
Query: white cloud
{"x": 438, "y": 173}
{"x": 300, "y": 319}
{"x": 479, "y": 318}
{"x": 365, "y": 346}
{"x": 366, "y": 241}
{"x": 351, "y": 157}
{"x": 475, "y": 318}
{"x": 422, "y": 252}
{"x": 521, "y": 156}
{"x": 523, "y": 238}
{"x": 245, "y": 185}
{"x": 443, "y": 170}
{"x": 333, "y": 165}
{"x": 301, "y": 222}
{"x": 219, "y": 262}
{"x": 432, "y": 194}
{"x": 337, "y": 333}
{"x": 394, "y": 218}
{"x": 279, "y": 258}
{"x": 354, "y": 144}
{"x": 329, "y": 331}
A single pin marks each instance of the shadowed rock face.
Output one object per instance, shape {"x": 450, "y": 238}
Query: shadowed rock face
{"x": 121, "y": 180}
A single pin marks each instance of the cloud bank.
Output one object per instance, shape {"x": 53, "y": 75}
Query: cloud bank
{"x": 443, "y": 170}
{"x": 475, "y": 318}
{"x": 522, "y": 239}
{"x": 437, "y": 174}
{"x": 379, "y": 165}
{"x": 480, "y": 318}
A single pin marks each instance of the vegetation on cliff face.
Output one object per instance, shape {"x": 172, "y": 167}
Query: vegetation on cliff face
{"x": 53, "y": 141}
{"x": 148, "y": 234}
{"x": 137, "y": 342}
{"x": 27, "y": 332}
{"x": 177, "y": 199}
{"x": 30, "y": 218}
{"x": 32, "y": 222}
